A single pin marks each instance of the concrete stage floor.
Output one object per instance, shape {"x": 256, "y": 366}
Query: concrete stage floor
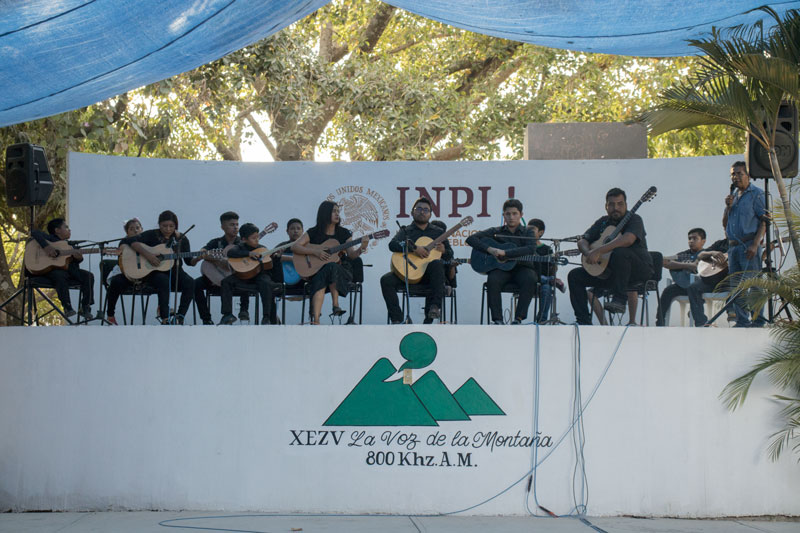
{"x": 147, "y": 522}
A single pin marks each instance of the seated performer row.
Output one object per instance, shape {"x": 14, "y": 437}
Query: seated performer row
{"x": 614, "y": 252}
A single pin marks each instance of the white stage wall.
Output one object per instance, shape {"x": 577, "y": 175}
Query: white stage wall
{"x": 568, "y": 195}
{"x": 210, "y": 419}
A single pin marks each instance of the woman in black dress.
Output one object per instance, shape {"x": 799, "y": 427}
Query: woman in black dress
{"x": 335, "y": 277}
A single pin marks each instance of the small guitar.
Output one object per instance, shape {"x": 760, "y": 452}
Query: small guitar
{"x": 416, "y": 264}
{"x": 216, "y": 272}
{"x": 249, "y": 267}
{"x": 710, "y": 268}
{"x": 37, "y": 262}
{"x": 682, "y": 277}
{"x": 135, "y": 266}
{"x": 598, "y": 270}
{"x": 308, "y": 265}
{"x": 483, "y": 263}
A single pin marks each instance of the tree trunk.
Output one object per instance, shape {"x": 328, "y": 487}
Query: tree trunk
{"x": 787, "y": 206}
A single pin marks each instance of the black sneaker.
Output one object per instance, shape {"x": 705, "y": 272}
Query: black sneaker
{"x": 498, "y": 323}
{"x": 616, "y": 305}
{"x": 516, "y": 322}
{"x": 69, "y": 312}
{"x": 434, "y": 312}
{"x": 266, "y": 321}
{"x": 208, "y": 322}
{"x": 227, "y": 320}
{"x": 86, "y": 313}
{"x": 244, "y": 316}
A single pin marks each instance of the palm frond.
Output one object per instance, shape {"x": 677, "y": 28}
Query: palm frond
{"x": 789, "y": 432}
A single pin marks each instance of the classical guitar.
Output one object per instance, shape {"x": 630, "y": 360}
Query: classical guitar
{"x": 483, "y": 263}
{"x": 37, "y": 261}
{"x": 308, "y": 265}
{"x": 416, "y": 264}
{"x": 598, "y": 270}
{"x": 217, "y": 271}
{"x": 249, "y": 267}
{"x": 135, "y": 266}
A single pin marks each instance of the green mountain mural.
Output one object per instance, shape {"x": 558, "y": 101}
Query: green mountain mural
{"x": 474, "y": 400}
{"x": 374, "y": 402}
{"x": 437, "y": 398}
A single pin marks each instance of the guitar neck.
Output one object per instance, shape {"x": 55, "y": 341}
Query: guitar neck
{"x": 349, "y": 244}
{"x": 182, "y": 255}
{"x": 444, "y": 236}
{"x": 534, "y": 259}
{"x": 277, "y": 249}
{"x": 622, "y": 223}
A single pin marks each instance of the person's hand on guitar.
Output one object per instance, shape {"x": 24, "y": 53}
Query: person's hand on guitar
{"x": 152, "y": 259}
{"x": 364, "y": 244}
{"x": 255, "y": 255}
{"x": 497, "y": 252}
{"x": 593, "y": 257}
{"x": 322, "y": 254}
{"x": 421, "y": 251}
{"x": 440, "y": 248}
{"x": 51, "y": 251}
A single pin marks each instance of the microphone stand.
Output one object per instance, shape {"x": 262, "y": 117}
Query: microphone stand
{"x": 177, "y": 267}
{"x": 405, "y": 267}
{"x": 101, "y": 315}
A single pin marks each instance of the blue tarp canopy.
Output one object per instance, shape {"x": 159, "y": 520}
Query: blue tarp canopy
{"x": 57, "y": 55}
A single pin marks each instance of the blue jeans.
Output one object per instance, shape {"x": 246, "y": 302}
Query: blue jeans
{"x": 741, "y": 269}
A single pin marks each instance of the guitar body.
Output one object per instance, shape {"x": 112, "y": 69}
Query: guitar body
{"x": 214, "y": 272}
{"x": 135, "y": 266}
{"x": 483, "y": 263}
{"x": 416, "y": 264}
{"x": 599, "y": 270}
{"x": 308, "y": 265}
{"x": 248, "y": 267}
{"x": 707, "y": 269}
{"x": 37, "y": 261}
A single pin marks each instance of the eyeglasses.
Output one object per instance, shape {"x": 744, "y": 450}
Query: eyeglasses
{"x": 422, "y": 210}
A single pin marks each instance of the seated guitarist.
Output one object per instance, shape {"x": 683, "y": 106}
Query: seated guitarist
{"x": 629, "y": 262}
{"x": 523, "y": 274}
{"x": 335, "y": 277}
{"x": 229, "y": 222}
{"x": 163, "y": 282}
{"x": 434, "y": 277}
{"x": 117, "y": 282}
{"x": 261, "y": 282}
{"x": 681, "y": 268}
{"x": 58, "y": 230}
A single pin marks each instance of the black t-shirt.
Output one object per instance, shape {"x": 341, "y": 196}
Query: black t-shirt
{"x": 522, "y": 246}
{"x": 220, "y": 243}
{"x": 635, "y": 225}
{"x": 544, "y": 269}
{"x": 317, "y": 236}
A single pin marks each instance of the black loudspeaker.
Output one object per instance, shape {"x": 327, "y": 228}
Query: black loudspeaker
{"x": 28, "y": 179}
{"x": 785, "y": 146}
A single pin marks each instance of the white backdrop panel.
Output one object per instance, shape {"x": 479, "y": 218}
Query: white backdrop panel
{"x": 210, "y": 419}
{"x": 567, "y": 195}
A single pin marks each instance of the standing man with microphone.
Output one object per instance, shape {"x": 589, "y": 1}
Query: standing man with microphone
{"x": 745, "y": 221}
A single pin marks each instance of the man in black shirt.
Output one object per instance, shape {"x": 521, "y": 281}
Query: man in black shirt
{"x": 406, "y": 238}
{"x": 261, "y": 282}
{"x": 229, "y": 222}
{"x": 715, "y": 254}
{"x": 162, "y": 282}
{"x": 58, "y": 230}
{"x": 629, "y": 262}
{"x": 523, "y": 274}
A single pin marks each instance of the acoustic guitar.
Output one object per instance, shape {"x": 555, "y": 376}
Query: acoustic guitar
{"x": 308, "y": 265}
{"x": 710, "y": 268}
{"x": 249, "y": 267}
{"x": 135, "y": 266}
{"x": 37, "y": 262}
{"x": 598, "y": 270}
{"x": 483, "y": 263}
{"x": 217, "y": 271}
{"x": 416, "y": 264}
{"x": 682, "y": 277}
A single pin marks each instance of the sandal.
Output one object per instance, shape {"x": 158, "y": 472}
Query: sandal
{"x": 338, "y": 311}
